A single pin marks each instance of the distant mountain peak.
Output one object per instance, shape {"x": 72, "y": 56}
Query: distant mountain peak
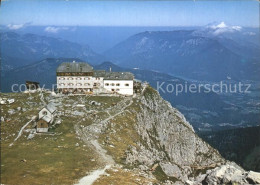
{"x": 217, "y": 28}
{"x": 220, "y": 25}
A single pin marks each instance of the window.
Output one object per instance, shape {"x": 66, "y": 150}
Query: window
{"x": 113, "y": 90}
{"x": 117, "y": 90}
{"x": 44, "y": 112}
{"x": 126, "y": 84}
{"x": 106, "y": 84}
{"x": 79, "y": 84}
{"x": 98, "y": 78}
{"x": 79, "y": 78}
{"x": 112, "y": 84}
{"x": 117, "y": 84}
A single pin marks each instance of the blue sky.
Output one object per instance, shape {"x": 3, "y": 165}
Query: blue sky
{"x": 129, "y": 13}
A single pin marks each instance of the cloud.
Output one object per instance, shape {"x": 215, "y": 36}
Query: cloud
{"x": 17, "y": 26}
{"x": 223, "y": 28}
{"x": 52, "y": 29}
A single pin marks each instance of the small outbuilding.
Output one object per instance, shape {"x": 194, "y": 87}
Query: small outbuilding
{"x": 32, "y": 85}
{"x": 42, "y": 126}
{"x": 45, "y": 118}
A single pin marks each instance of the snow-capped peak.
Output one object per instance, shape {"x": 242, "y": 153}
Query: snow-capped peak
{"x": 215, "y": 29}
{"x": 221, "y": 25}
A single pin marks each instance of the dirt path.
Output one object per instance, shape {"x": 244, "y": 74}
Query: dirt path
{"x": 21, "y": 130}
{"x": 89, "y": 136}
{"x": 93, "y": 176}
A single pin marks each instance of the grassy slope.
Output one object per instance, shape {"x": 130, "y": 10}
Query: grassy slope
{"x": 55, "y": 159}
{"x": 49, "y": 159}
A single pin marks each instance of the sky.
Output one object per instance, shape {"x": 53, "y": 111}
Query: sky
{"x": 19, "y": 13}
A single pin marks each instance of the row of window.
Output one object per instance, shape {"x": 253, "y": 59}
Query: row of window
{"x": 76, "y": 78}
{"x": 115, "y": 90}
{"x": 79, "y": 84}
{"x": 112, "y": 84}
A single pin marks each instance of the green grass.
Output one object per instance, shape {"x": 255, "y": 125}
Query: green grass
{"x": 50, "y": 159}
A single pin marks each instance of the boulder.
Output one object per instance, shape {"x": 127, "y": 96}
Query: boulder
{"x": 253, "y": 177}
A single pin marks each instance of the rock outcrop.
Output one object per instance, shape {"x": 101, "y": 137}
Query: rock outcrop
{"x": 169, "y": 140}
{"x": 227, "y": 174}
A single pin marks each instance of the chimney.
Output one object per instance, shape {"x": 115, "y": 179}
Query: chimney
{"x": 110, "y": 69}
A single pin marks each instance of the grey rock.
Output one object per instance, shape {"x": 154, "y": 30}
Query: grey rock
{"x": 228, "y": 173}
{"x": 253, "y": 177}
{"x": 30, "y": 136}
{"x": 11, "y": 111}
{"x": 170, "y": 139}
{"x": 172, "y": 170}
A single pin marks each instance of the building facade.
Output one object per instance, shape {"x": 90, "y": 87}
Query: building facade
{"x": 79, "y": 77}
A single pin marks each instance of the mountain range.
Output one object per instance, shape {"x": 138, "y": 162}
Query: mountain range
{"x": 211, "y": 53}
{"x": 20, "y": 50}
{"x": 187, "y": 54}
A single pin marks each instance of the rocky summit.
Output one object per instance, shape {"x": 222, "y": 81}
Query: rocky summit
{"x": 139, "y": 139}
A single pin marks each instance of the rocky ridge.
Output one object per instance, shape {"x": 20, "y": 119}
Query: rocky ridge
{"x": 165, "y": 142}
